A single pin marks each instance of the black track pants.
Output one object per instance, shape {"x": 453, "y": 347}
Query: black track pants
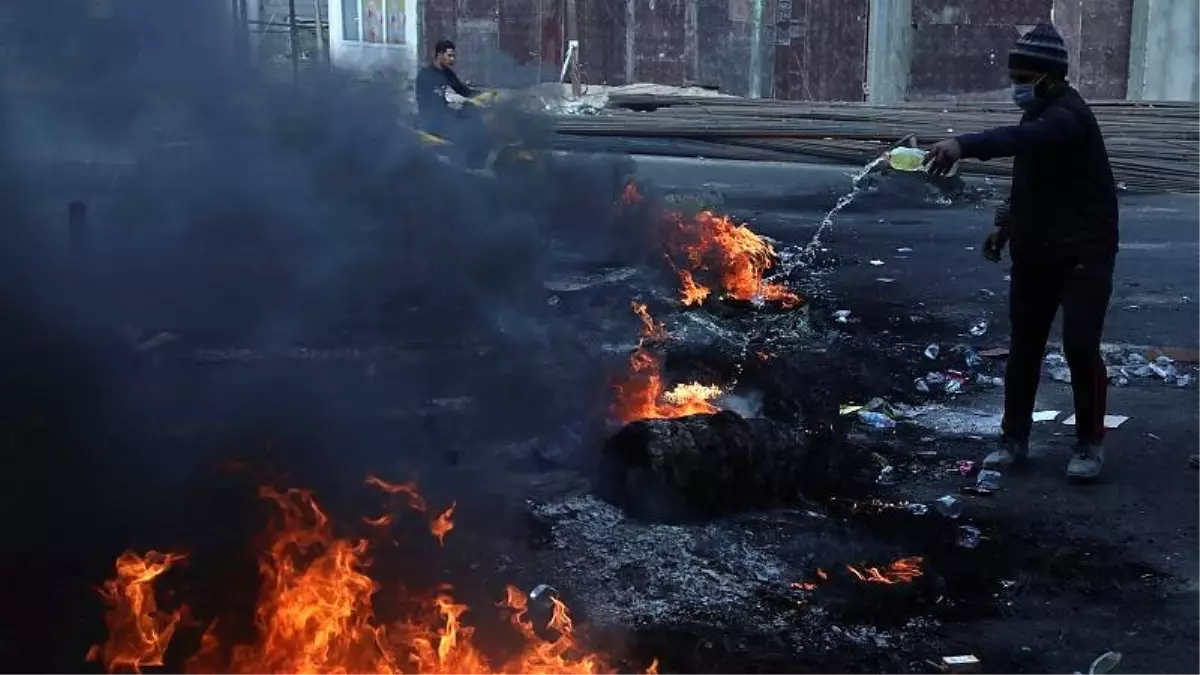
{"x": 1036, "y": 292}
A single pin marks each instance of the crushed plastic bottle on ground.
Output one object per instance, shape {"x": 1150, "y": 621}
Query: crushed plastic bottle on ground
{"x": 979, "y": 328}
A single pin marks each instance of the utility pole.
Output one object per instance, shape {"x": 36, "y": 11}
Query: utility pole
{"x": 572, "y": 31}
{"x": 292, "y": 40}
{"x": 321, "y": 58}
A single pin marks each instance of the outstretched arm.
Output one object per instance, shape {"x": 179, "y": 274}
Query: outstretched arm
{"x": 1057, "y": 127}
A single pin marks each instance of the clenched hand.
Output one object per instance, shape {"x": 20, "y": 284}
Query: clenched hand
{"x": 942, "y": 156}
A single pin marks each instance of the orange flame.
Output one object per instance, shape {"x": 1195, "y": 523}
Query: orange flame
{"x": 138, "y": 632}
{"x": 315, "y": 615}
{"x": 641, "y": 395}
{"x": 902, "y": 571}
{"x": 441, "y": 525}
{"x": 738, "y": 256}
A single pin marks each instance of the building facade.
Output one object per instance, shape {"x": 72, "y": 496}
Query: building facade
{"x": 844, "y": 50}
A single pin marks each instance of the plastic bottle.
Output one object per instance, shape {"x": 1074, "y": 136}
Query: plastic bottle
{"x": 906, "y": 159}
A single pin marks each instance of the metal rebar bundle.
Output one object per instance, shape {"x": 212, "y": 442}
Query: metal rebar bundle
{"x": 1153, "y": 146}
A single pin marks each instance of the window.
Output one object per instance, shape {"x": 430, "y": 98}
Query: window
{"x": 382, "y": 21}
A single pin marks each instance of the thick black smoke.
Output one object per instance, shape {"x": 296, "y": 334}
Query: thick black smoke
{"x": 234, "y": 211}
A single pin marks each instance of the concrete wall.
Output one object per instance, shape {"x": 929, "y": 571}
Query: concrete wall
{"x": 957, "y": 49}
{"x": 1165, "y": 50}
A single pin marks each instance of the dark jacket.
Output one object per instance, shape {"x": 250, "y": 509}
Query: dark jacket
{"x": 431, "y": 87}
{"x": 1063, "y": 206}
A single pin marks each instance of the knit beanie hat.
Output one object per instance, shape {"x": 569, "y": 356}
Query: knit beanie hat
{"x": 1041, "y": 50}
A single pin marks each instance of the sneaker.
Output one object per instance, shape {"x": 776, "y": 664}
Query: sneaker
{"x": 1086, "y": 463}
{"x": 1011, "y": 450}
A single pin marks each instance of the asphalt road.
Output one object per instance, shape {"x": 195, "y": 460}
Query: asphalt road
{"x": 1137, "y": 528}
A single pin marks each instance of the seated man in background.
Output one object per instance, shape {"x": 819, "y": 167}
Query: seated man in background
{"x": 459, "y": 125}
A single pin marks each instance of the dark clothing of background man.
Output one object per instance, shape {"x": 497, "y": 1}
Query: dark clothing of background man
{"x": 432, "y": 83}
{"x": 1061, "y": 219}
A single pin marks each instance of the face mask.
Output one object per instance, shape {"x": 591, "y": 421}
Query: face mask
{"x": 1024, "y": 95}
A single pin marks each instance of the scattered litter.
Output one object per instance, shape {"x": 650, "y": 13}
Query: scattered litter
{"x": 841, "y": 315}
{"x": 1110, "y": 421}
{"x": 987, "y": 293}
{"x": 979, "y": 328}
{"x": 887, "y": 476}
{"x": 989, "y": 380}
{"x": 1105, "y": 663}
{"x": 972, "y": 358}
{"x": 950, "y": 506}
{"x": 932, "y": 351}
{"x": 977, "y": 490}
{"x": 994, "y": 352}
{"x": 969, "y": 537}
{"x": 875, "y": 263}
{"x": 953, "y": 386}
{"x": 1183, "y": 381}
{"x": 876, "y": 419}
{"x": 1046, "y": 415}
{"x": 1153, "y": 436}
{"x": 884, "y": 280}
{"x": 964, "y": 467}
{"x": 921, "y": 385}
{"x": 904, "y": 249}
{"x": 988, "y": 479}
{"x": 966, "y": 663}
{"x": 969, "y": 248}
{"x": 847, "y": 409}
{"x": 1056, "y": 367}
{"x": 917, "y": 509}
{"x": 542, "y": 591}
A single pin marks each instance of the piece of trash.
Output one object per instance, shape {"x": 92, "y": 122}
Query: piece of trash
{"x": 875, "y": 263}
{"x": 979, "y": 328}
{"x": 904, "y": 249}
{"x": 542, "y": 592}
{"x": 917, "y": 509}
{"x": 976, "y": 490}
{"x": 1183, "y": 381}
{"x": 994, "y": 352}
{"x": 935, "y": 379}
{"x": 846, "y": 409}
{"x": 1105, "y": 663}
{"x": 1060, "y": 374}
{"x": 952, "y": 386}
{"x": 986, "y": 293}
{"x": 969, "y": 248}
{"x": 887, "y": 476}
{"x": 1163, "y": 360}
{"x": 884, "y": 280}
{"x": 969, "y": 536}
{"x": 932, "y": 351}
{"x": 988, "y": 479}
{"x": 989, "y": 380}
{"x": 966, "y": 663}
{"x": 972, "y": 358}
{"x": 157, "y": 341}
{"x": 1046, "y": 415}
{"x": 964, "y": 467}
{"x": 1110, "y": 421}
{"x": 921, "y": 385}
{"x": 1155, "y": 437}
{"x": 841, "y": 316}
{"x": 950, "y": 506}
{"x": 876, "y": 419}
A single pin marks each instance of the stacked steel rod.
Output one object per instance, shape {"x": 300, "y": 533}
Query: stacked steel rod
{"x": 1153, "y": 146}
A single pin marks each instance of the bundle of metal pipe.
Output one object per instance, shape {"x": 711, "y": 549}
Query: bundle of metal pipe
{"x": 1154, "y": 146}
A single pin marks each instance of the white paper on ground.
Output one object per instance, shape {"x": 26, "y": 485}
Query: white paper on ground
{"x": 1110, "y": 421}
{"x": 1047, "y": 415}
